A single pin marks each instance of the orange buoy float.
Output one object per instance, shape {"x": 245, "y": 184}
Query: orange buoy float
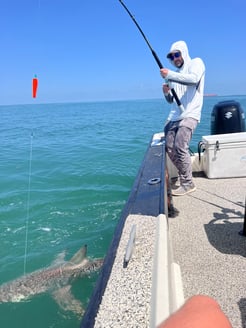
{"x": 34, "y": 86}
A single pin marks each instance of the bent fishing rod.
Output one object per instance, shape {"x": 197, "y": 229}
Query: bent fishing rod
{"x": 174, "y": 94}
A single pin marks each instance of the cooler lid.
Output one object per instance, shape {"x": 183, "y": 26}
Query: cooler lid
{"x": 225, "y": 138}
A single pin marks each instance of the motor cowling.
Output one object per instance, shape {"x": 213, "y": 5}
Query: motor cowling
{"x": 227, "y": 117}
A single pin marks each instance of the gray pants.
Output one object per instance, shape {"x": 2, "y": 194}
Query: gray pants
{"x": 178, "y": 135}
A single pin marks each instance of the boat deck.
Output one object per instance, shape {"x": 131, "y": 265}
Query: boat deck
{"x": 203, "y": 242}
{"x": 207, "y": 245}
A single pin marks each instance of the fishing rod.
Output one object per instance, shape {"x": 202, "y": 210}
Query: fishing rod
{"x": 174, "y": 94}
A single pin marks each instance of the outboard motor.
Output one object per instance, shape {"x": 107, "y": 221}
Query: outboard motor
{"x": 227, "y": 117}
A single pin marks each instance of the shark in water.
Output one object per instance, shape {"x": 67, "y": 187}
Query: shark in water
{"x": 56, "y": 279}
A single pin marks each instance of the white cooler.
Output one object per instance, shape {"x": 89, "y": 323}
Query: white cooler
{"x": 225, "y": 155}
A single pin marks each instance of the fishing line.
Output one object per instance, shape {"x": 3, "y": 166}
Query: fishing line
{"x": 174, "y": 94}
{"x": 28, "y": 200}
{"x": 34, "y": 94}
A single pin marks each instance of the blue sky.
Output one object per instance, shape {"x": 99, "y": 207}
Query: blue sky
{"x": 91, "y": 50}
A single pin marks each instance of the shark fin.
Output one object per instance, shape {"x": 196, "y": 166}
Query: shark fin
{"x": 67, "y": 302}
{"x": 79, "y": 256}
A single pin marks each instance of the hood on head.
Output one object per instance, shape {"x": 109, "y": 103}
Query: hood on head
{"x": 182, "y": 47}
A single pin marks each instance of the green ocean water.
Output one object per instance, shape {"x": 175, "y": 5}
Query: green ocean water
{"x": 66, "y": 172}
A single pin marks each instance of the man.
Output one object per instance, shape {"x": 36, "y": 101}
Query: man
{"x": 188, "y": 83}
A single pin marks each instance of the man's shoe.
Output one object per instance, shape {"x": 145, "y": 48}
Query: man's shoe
{"x": 183, "y": 190}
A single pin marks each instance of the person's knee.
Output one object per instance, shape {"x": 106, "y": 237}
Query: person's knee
{"x": 198, "y": 312}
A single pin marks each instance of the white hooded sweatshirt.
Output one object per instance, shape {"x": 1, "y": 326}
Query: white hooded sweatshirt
{"x": 189, "y": 86}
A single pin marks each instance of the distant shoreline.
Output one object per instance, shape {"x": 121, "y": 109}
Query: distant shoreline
{"x": 210, "y": 95}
